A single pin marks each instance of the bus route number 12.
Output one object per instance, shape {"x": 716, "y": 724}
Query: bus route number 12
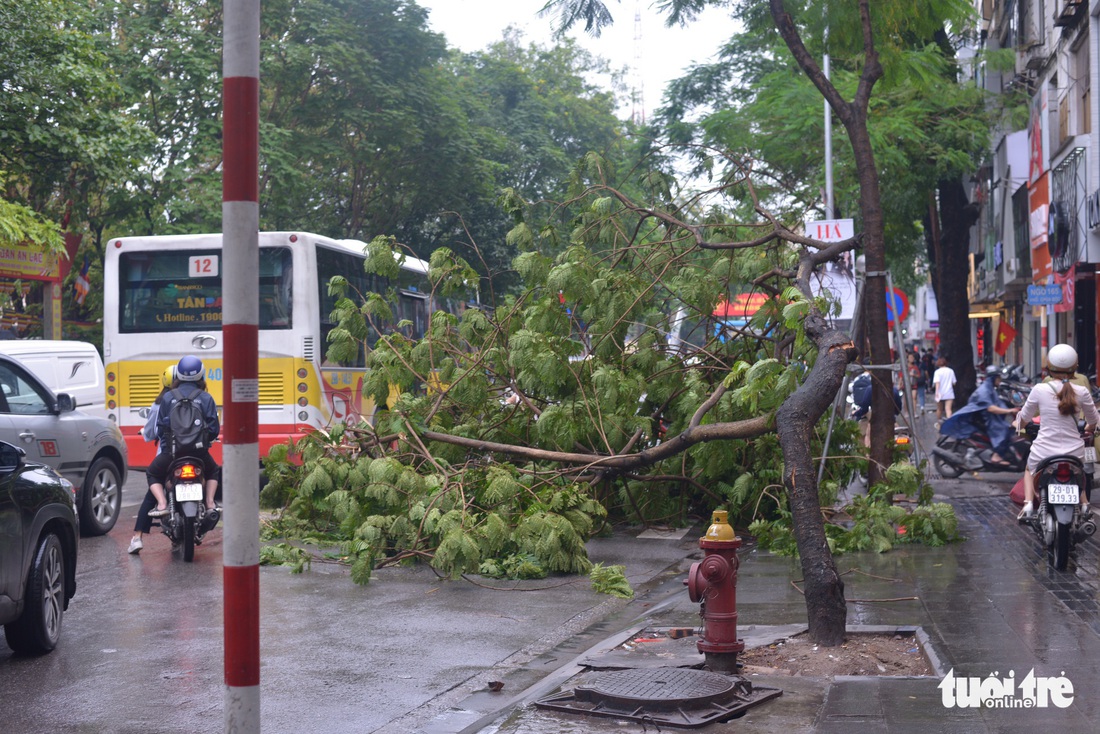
{"x": 202, "y": 266}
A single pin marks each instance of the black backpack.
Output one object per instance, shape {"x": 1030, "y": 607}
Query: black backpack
{"x": 186, "y": 422}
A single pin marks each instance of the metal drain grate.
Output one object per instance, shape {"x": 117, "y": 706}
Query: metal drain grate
{"x": 681, "y": 697}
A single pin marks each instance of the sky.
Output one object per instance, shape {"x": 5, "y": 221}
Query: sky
{"x": 472, "y": 25}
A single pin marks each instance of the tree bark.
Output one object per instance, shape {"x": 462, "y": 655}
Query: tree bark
{"x": 853, "y": 115}
{"x": 951, "y": 270}
{"x": 826, "y": 610}
{"x": 824, "y": 589}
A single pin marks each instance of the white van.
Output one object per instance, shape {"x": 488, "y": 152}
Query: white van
{"x": 65, "y": 366}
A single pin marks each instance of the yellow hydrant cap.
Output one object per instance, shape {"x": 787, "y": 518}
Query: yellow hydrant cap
{"x": 720, "y": 528}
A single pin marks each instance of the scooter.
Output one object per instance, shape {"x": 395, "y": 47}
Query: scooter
{"x": 1058, "y": 520}
{"x": 1013, "y": 393}
{"x": 187, "y": 520}
{"x": 953, "y": 456}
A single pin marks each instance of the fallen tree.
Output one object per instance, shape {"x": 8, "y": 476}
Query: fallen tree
{"x": 520, "y": 424}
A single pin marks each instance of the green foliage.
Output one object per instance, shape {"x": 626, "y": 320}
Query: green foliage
{"x": 285, "y": 554}
{"x": 20, "y": 224}
{"x": 873, "y": 522}
{"x": 611, "y": 580}
{"x": 485, "y": 519}
{"x": 369, "y": 124}
{"x": 513, "y": 567}
{"x": 581, "y": 362}
{"x": 925, "y": 124}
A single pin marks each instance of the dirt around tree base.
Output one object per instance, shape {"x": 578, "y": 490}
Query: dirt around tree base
{"x": 861, "y": 654}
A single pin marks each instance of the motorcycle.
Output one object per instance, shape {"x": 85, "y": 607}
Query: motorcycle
{"x": 1058, "y": 520}
{"x": 1013, "y": 393}
{"x": 1014, "y": 373}
{"x": 187, "y": 520}
{"x": 952, "y": 456}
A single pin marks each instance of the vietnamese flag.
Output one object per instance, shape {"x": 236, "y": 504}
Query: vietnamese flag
{"x": 1005, "y": 334}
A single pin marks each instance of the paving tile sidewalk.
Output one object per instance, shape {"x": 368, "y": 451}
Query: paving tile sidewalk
{"x": 991, "y": 607}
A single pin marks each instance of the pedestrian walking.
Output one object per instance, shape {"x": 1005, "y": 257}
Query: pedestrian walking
{"x": 943, "y": 380}
{"x": 916, "y": 382}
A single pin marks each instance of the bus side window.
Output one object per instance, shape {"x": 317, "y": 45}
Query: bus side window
{"x": 414, "y": 308}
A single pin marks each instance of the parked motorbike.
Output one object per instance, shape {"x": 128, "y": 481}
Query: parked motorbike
{"x": 1014, "y": 373}
{"x": 952, "y": 456}
{"x": 1058, "y": 520}
{"x": 903, "y": 439}
{"x": 187, "y": 520}
{"x": 1013, "y": 393}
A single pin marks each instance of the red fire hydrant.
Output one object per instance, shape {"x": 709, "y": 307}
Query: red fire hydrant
{"x": 713, "y": 582}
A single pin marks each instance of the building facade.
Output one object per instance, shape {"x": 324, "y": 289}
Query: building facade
{"x": 1035, "y": 248}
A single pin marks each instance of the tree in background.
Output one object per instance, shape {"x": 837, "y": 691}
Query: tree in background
{"x": 929, "y": 130}
{"x": 535, "y": 115}
{"x": 63, "y": 138}
{"x": 369, "y": 123}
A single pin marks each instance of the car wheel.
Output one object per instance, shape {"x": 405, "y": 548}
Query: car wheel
{"x": 39, "y": 627}
{"x": 101, "y": 500}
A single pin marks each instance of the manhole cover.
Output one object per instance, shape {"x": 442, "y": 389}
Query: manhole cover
{"x": 682, "y": 697}
{"x": 658, "y": 687}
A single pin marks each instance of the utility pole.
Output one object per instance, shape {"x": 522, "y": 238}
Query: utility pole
{"x": 240, "y": 335}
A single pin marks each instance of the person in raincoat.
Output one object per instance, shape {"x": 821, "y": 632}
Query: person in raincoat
{"x": 983, "y": 412}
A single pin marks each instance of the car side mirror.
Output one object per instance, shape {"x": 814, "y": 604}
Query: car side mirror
{"x": 11, "y": 457}
{"x": 65, "y": 403}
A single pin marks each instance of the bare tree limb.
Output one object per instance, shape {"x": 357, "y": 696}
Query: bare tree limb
{"x": 749, "y": 428}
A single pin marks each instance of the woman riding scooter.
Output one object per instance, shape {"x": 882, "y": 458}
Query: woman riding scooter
{"x": 983, "y": 413}
{"x": 1057, "y": 402}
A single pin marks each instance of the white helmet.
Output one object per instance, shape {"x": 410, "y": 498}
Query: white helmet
{"x": 1062, "y": 358}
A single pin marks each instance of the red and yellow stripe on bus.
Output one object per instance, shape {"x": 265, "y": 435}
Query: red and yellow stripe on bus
{"x": 295, "y": 398}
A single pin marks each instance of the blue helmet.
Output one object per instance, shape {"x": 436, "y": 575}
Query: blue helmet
{"x": 189, "y": 369}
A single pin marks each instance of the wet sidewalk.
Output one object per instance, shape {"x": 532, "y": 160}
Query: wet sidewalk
{"x": 992, "y": 608}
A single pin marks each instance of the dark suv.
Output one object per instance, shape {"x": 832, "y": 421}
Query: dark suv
{"x": 37, "y": 551}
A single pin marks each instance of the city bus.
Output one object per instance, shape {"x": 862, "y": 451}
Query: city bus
{"x": 163, "y": 300}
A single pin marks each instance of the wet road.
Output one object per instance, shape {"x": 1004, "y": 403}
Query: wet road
{"x": 141, "y": 649}
{"x": 141, "y": 646}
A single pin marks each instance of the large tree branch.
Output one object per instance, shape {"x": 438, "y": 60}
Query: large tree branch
{"x": 750, "y": 428}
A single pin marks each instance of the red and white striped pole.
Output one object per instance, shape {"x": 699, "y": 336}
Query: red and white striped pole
{"x": 240, "y": 345}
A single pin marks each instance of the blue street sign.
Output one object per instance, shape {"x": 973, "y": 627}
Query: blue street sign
{"x": 1044, "y": 295}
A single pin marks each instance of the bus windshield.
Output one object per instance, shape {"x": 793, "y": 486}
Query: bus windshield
{"x": 182, "y": 290}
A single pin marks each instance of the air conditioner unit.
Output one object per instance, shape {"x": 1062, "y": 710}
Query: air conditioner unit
{"x": 1013, "y": 265}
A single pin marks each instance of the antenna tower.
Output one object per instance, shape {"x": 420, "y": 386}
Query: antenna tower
{"x": 637, "y": 91}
